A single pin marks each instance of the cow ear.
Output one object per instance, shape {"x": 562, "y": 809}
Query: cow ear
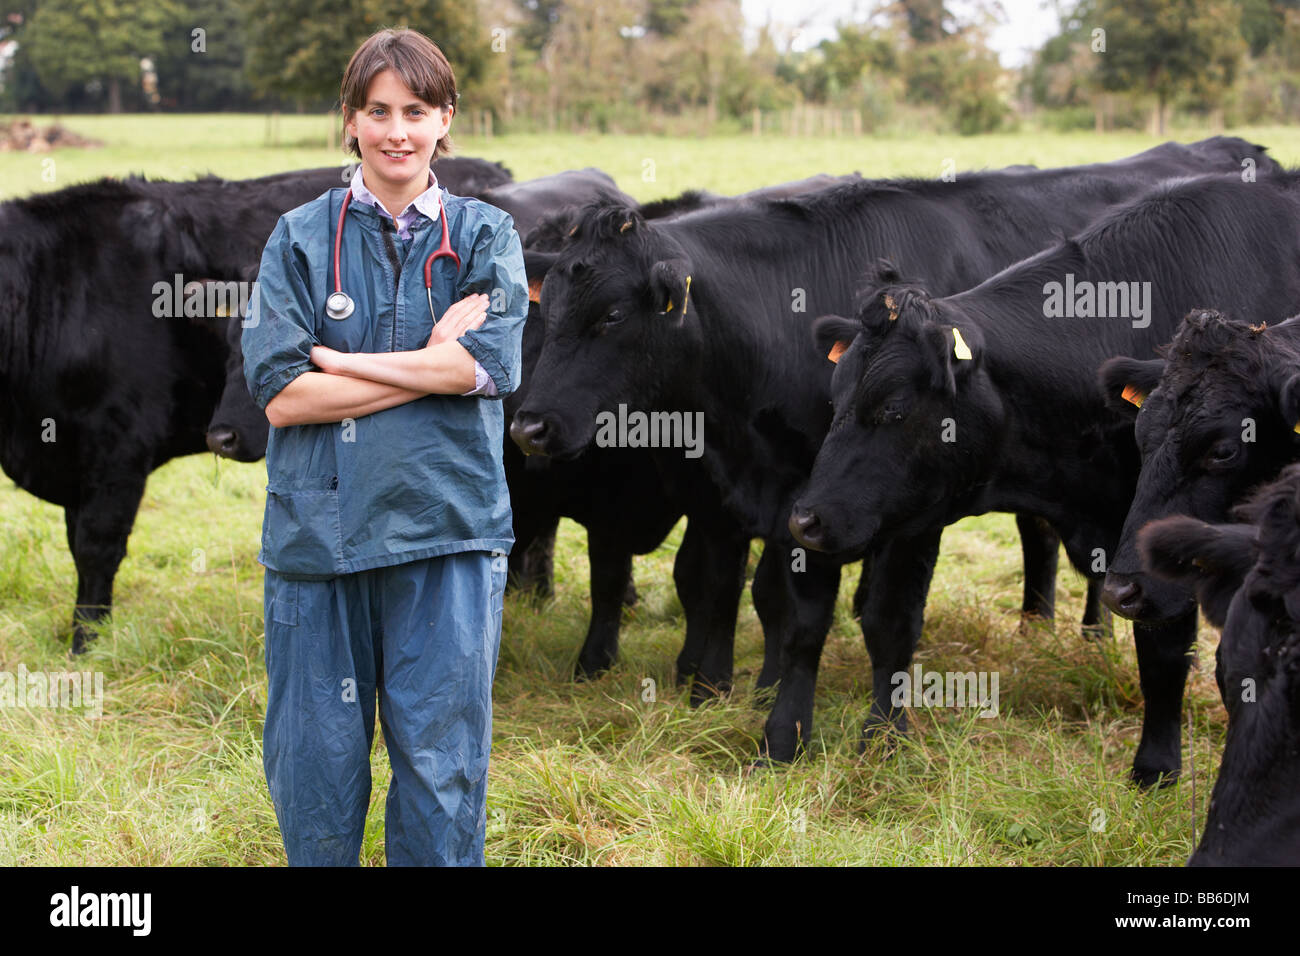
{"x": 833, "y": 334}
{"x": 953, "y": 354}
{"x": 1288, "y": 401}
{"x": 670, "y": 288}
{"x": 537, "y": 264}
{"x": 937, "y": 344}
{"x": 1214, "y": 558}
{"x": 1126, "y": 382}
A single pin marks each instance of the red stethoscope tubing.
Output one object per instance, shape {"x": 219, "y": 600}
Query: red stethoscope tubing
{"x": 444, "y": 249}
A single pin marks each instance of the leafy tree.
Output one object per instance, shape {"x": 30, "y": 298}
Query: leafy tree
{"x": 75, "y": 42}
{"x": 299, "y": 48}
{"x": 1167, "y": 47}
{"x": 667, "y": 17}
{"x": 927, "y": 21}
{"x": 201, "y": 65}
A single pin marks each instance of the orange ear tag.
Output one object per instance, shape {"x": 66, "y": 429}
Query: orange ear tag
{"x": 838, "y": 349}
{"x": 534, "y": 290}
{"x": 1133, "y": 395}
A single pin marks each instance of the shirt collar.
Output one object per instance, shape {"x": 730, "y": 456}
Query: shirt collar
{"x": 427, "y": 202}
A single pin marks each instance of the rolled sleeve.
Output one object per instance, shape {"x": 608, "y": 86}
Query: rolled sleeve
{"x": 496, "y": 269}
{"x": 278, "y": 334}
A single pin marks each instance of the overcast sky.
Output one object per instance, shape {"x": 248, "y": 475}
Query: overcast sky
{"x": 1026, "y": 23}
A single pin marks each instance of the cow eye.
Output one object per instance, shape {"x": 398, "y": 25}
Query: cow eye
{"x": 613, "y": 317}
{"x": 1223, "y": 452}
{"x": 891, "y": 411}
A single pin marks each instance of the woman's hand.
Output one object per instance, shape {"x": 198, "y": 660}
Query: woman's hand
{"x": 468, "y": 313}
{"x": 327, "y": 359}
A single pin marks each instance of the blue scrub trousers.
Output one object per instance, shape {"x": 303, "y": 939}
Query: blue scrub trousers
{"x": 423, "y": 637}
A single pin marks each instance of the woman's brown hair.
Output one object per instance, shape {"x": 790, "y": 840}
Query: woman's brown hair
{"x": 413, "y": 57}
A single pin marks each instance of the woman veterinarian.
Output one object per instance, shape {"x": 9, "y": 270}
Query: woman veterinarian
{"x": 387, "y": 512}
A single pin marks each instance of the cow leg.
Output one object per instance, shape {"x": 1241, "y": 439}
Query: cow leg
{"x": 1163, "y": 655}
{"x": 1097, "y": 620}
{"x": 893, "y": 611}
{"x": 611, "y": 569}
{"x": 97, "y": 531}
{"x": 1041, "y": 547}
{"x": 771, "y": 602}
{"x": 710, "y": 575}
{"x": 532, "y": 559}
{"x": 809, "y": 615}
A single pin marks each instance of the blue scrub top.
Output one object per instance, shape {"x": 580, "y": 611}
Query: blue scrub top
{"x": 415, "y": 481}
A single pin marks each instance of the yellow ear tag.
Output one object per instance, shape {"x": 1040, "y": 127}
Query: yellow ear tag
{"x": 839, "y": 348}
{"x": 669, "y": 307}
{"x": 1296, "y": 429}
{"x": 686, "y": 301}
{"x": 1134, "y": 396}
{"x": 959, "y": 346}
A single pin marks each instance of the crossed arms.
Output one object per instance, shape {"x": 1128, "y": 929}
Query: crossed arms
{"x": 353, "y": 384}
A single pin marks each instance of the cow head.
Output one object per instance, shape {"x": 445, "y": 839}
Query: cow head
{"x": 1248, "y": 578}
{"x": 238, "y": 428}
{"x": 915, "y": 415}
{"x": 620, "y": 328}
{"x": 1213, "y": 419}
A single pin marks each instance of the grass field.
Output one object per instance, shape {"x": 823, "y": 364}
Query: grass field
{"x": 581, "y": 773}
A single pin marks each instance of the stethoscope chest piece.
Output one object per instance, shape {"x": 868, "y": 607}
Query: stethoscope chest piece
{"x": 339, "y": 305}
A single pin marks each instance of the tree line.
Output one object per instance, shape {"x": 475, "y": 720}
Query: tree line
{"x": 664, "y": 65}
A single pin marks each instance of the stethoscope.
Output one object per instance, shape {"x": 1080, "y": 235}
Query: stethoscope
{"x": 339, "y": 304}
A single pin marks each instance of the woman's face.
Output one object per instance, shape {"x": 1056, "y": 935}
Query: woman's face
{"x": 397, "y": 133}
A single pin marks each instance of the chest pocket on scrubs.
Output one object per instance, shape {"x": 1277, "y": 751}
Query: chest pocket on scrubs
{"x": 302, "y": 514}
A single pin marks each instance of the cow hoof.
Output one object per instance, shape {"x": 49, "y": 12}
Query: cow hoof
{"x": 1148, "y": 779}
{"x": 591, "y": 671}
{"x": 81, "y": 639}
{"x": 703, "y": 690}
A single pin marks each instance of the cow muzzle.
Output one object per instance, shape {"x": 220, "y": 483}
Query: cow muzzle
{"x": 530, "y": 433}
{"x": 807, "y": 528}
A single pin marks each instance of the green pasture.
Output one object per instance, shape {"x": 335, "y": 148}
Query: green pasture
{"x": 613, "y": 772}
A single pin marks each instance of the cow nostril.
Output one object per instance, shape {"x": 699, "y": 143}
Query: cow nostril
{"x": 222, "y": 441}
{"x": 1122, "y": 596}
{"x": 806, "y": 526}
{"x": 529, "y": 433}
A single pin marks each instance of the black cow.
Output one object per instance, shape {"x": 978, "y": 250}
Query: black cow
{"x": 1248, "y": 577}
{"x": 530, "y": 201}
{"x": 979, "y": 402}
{"x": 103, "y": 387}
{"x": 1218, "y": 417}
{"x": 623, "y": 326}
